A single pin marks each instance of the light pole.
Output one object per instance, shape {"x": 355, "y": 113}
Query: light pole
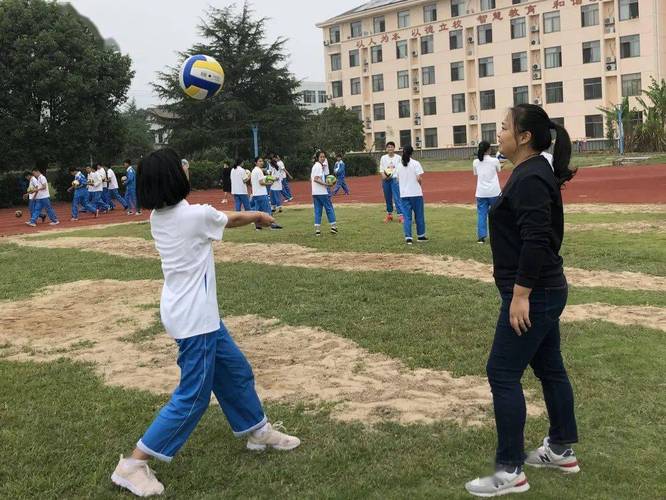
{"x": 255, "y": 137}
{"x": 620, "y": 128}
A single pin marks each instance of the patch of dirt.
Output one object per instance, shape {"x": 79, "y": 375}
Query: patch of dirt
{"x": 635, "y": 227}
{"x": 617, "y": 208}
{"x": 647, "y": 316}
{"x": 309, "y": 258}
{"x": 291, "y": 364}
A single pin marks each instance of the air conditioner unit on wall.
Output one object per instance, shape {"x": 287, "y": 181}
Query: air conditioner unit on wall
{"x": 326, "y": 43}
{"x": 534, "y": 42}
{"x": 610, "y": 60}
{"x": 611, "y": 67}
{"x": 537, "y": 101}
{"x": 472, "y": 118}
{"x": 534, "y": 29}
{"x": 329, "y": 97}
{"x": 470, "y": 39}
{"x": 414, "y": 53}
{"x": 416, "y": 89}
{"x": 536, "y": 67}
{"x": 609, "y": 20}
{"x": 536, "y": 75}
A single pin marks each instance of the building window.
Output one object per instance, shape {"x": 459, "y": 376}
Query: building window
{"x": 334, "y": 34}
{"x": 458, "y": 103}
{"x": 322, "y": 96}
{"x": 518, "y": 28}
{"x": 592, "y": 88}
{"x": 628, "y": 9}
{"x": 354, "y": 59}
{"x": 455, "y": 39}
{"x": 310, "y": 96}
{"x": 489, "y": 132}
{"x": 520, "y": 95}
{"x": 519, "y": 62}
{"x": 457, "y": 71}
{"x": 591, "y": 52}
{"x": 359, "y": 112}
{"x": 380, "y": 141}
{"x": 356, "y": 29}
{"x": 403, "y": 109}
{"x": 429, "y": 105}
{"x": 551, "y": 22}
{"x": 378, "y": 112}
{"x": 405, "y": 138}
{"x": 355, "y": 84}
{"x": 403, "y": 19}
{"x": 403, "y": 79}
{"x": 457, "y": 7}
{"x": 459, "y": 135}
{"x": 336, "y": 62}
{"x": 487, "y": 4}
{"x": 376, "y": 54}
{"x": 430, "y": 13}
{"x": 401, "y": 49}
{"x": 427, "y": 44}
{"x": 378, "y": 24}
{"x": 484, "y": 33}
{"x": 487, "y": 99}
{"x": 554, "y": 92}
{"x": 377, "y": 83}
{"x": 428, "y": 75}
{"x": 631, "y": 84}
{"x": 336, "y": 88}
{"x": 630, "y": 46}
{"x": 635, "y": 118}
{"x": 553, "y": 57}
{"x": 589, "y": 15}
{"x": 486, "y": 67}
{"x": 430, "y": 137}
{"x": 594, "y": 126}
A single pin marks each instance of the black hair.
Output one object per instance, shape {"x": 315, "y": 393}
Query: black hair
{"x": 36, "y": 169}
{"x": 339, "y": 155}
{"x": 318, "y": 153}
{"x": 27, "y": 173}
{"x": 238, "y": 162}
{"x": 128, "y": 161}
{"x": 390, "y": 143}
{"x": 160, "y": 180}
{"x": 73, "y": 169}
{"x": 533, "y": 119}
{"x": 257, "y": 158}
{"x": 484, "y": 146}
{"x": 407, "y": 154}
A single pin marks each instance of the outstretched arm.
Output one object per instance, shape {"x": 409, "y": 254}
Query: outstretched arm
{"x": 238, "y": 219}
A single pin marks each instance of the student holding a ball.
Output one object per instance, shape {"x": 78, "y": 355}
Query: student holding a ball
{"x": 320, "y": 195}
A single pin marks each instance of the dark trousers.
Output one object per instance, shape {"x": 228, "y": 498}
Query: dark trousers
{"x": 509, "y": 357}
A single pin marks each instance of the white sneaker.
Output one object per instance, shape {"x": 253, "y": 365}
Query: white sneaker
{"x": 271, "y": 437}
{"x": 139, "y": 478}
{"x": 545, "y": 457}
{"x": 500, "y": 483}
{"x": 54, "y": 223}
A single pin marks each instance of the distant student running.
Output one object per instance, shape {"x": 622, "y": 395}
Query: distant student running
{"x": 340, "y": 171}
{"x": 320, "y": 195}
{"x": 409, "y": 175}
{"x": 485, "y": 167}
{"x": 80, "y": 194}
{"x": 130, "y": 189}
{"x": 42, "y": 200}
{"x": 114, "y": 193}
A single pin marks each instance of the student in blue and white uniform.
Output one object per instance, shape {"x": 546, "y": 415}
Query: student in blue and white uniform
{"x": 286, "y": 191}
{"x": 409, "y": 174}
{"x": 239, "y": 187}
{"x": 130, "y": 189}
{"x": 320, "y": 195}
{"x": 390, "y": 184}
{"x": 42, "y": 200}
{"x": 210, "y": 361}
{"x": 80, "y": 197}
{"x": 340, "y": 171}
{"x": 95, "y": 190}
{"x": 276, "y": 187}
{"x": 106, "y": 197}
{"x": 114, "y": 192}
{"x": 485, "y": 168}
{"x": 259, "y": 191}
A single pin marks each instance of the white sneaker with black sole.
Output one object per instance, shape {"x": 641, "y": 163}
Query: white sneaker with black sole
{"x": 545, "y": 457}
{"x": 500, "y": 483}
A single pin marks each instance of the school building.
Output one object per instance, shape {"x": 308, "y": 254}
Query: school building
{"x": 442, "y": 74}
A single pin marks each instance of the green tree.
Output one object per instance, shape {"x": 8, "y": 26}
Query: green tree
{"x": 138, "y": 138}
{"x": 336, "y": 130}
{"x": 62, "y": 86}
{"x": 258, "y": 89}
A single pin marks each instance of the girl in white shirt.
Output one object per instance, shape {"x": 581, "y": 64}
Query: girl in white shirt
{"x": 209, "y": 360}
{"x": 320, "y": 195}
{"x": 276, "y": 187}
{"x": 485, "y": 167}
{"x": 239, "y": 180}
{"x": 409, "y": 175}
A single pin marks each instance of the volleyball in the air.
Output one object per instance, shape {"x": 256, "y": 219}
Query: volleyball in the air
{"x": 201, "y": 77}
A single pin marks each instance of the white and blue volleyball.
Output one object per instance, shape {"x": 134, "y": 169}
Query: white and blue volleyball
{"x": 201, "y": 77}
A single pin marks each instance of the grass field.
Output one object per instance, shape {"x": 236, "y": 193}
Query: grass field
{"x": 63, "y": 427}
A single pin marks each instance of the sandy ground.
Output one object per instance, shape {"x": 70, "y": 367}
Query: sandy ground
{"x": 646, "y": 316}
{"x": 634, "y": 227}
{"x": 291, "y": 364}
{"x": 616, "y": 208}
{"x": 301, "y": 256}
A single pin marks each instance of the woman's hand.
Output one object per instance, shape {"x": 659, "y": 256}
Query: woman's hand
{"x": 519, "y": 311}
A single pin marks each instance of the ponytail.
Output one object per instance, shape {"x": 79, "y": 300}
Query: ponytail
{"x": 484, "y": 146}
{"x": 407, "y": 154}
{"x": 562, "y": 154}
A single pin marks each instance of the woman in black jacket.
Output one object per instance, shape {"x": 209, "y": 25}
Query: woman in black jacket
{"x": 526, "y": 231}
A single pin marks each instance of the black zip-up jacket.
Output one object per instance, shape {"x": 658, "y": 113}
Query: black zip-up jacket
{"x": 527, "y": 227}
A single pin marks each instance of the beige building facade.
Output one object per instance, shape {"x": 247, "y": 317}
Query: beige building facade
{"x": 439, "y": 74}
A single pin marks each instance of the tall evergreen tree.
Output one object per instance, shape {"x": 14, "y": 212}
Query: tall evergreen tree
{"x": 258, "y": 89}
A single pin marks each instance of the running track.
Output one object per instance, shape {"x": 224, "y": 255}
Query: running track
{"x": 631, "y": 184}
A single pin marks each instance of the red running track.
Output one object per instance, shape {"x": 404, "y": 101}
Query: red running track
{"x": 631, "y": 184}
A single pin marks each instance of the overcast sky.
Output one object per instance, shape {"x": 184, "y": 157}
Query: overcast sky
{"x": 152, "y": 31}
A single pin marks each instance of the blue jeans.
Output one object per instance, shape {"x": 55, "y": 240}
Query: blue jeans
{"x": 242, "y": 200}
{"x": 276, "y": 198}
{"x": 509, "y": 357}
{"x": 286, "y": 192}
{"x": 262, "y": 204}
{"x": 391, "y": 195}
{"x": 42, "y": 204}
{"x": 322, "y": 202}
{"x": 409, "y": 205}
{"x": 106, "y": 198}
{"x": 130, "y": 199}
{"x": 208, "y": 363}
{"x": 114, "y": 194}
{"x": 97, "y": 201}
{"x": 342, "y": 184}
{"x": 482, "y": 207}
{"x": 81, "y": 198}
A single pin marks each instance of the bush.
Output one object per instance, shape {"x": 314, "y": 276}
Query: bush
{"x": 11, "y": 189}
{"x": 205, "y": 174}
{"x": 360, "y": 165}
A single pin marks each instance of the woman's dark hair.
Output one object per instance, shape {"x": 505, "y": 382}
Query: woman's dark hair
{"x": 128, "y": 161}
{"x": 318, "y": 153}
{"x": 390, "y": 143}
{"x": 484, "y": 146}
{"x": 160, "y": 180}
{"x": 28, "y": 173}
{"x": 257, "y": 158}
{"x": 238, "y": 162}
{"x": 533, "y": 119}
{"x": 407, "y": 154}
